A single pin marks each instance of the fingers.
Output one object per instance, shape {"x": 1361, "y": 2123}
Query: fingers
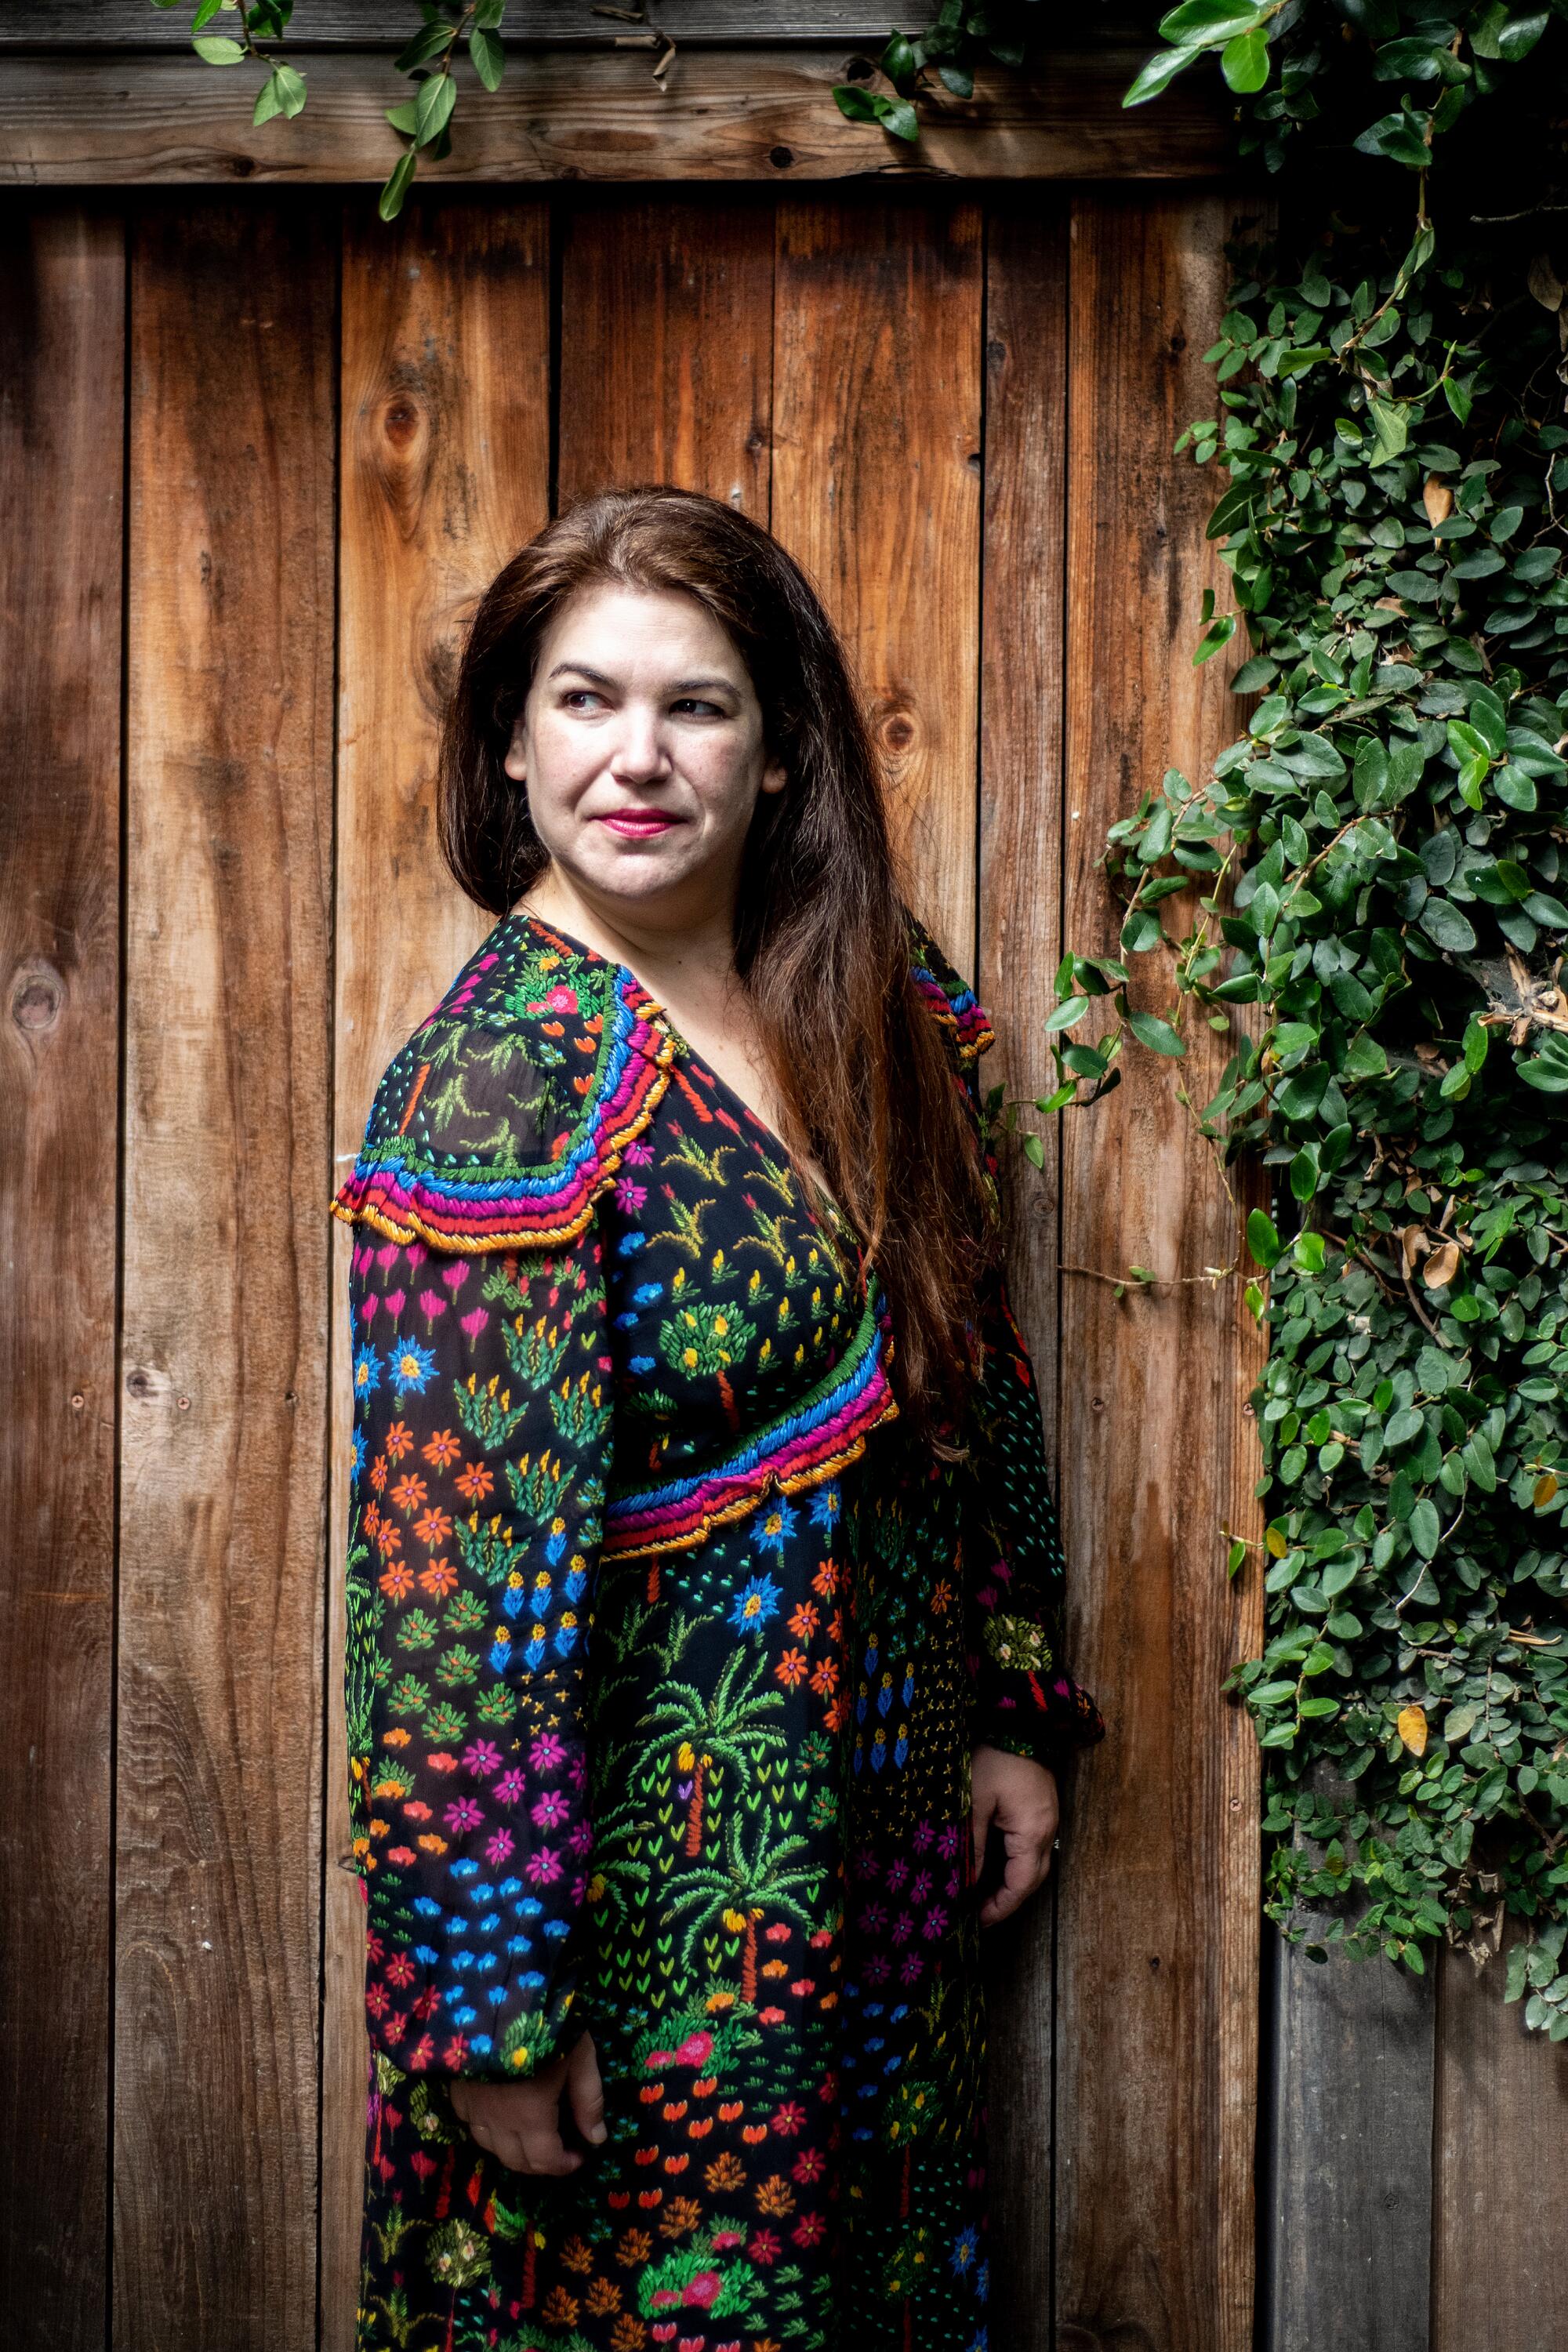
{"x": 980, "y": 1817}
{"x": 520, "y": 2123}
{"x": 1028, "y": 1867}
{"x": 1019, "y": 1799}
{"x": 585, "y": 2091}
{"x": 537, "y": 2151}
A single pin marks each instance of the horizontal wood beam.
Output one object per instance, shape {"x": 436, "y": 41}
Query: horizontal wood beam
{"x": 83, "y": 25}
{"x": 764, "y": 114}
{"x": 357, "y": 24}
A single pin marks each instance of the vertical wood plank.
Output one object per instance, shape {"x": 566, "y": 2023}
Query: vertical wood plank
{"x": 62, "y": 395}
{"x": 1157, "y": 1962}
{"x": 877, "y": 491}
{"x": 1020, "y": 947}
{"x": 224, "y": 1356}
{"x": 667, "y": 347}
{"x": 446, "y": 461}
{"x": 1350, "y": 2131}
{"x": 1498, "y": 2281}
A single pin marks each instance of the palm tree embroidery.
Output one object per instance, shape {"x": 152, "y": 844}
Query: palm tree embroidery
{"x": 726, "y": 1725}
{"x": 745, "y": 1886}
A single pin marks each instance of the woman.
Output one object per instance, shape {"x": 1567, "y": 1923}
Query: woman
{"x": 703, "y": 1578}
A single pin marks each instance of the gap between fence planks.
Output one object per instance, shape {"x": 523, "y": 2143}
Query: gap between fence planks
{"x": 228, "y": 936}
{"x": 1156, "y": 2027}
{"x": 1019, "y": 845}
{"x": 763, "y": 113}
{"x": 446, "y": 471}
{"x": 62, "y": 324}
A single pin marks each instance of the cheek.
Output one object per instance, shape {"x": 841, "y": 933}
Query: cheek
{"x": 726, "y": 777}
{"x": 558, "y": 772}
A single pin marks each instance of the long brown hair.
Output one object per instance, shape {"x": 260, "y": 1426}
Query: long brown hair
{"x": 821, "y": 943}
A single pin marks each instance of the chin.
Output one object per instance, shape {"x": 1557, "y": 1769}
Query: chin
{"x": 635, "y": 872}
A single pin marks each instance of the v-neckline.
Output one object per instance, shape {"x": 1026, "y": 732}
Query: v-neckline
{"x": 661, "y": 1016}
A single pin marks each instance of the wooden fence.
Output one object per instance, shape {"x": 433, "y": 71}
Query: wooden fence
{"x": 258, "y": 451}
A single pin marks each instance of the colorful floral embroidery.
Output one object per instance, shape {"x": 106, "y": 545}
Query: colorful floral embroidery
{"x": 667, "y": 1646}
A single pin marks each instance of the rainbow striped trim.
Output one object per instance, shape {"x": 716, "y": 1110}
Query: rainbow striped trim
{"x": 394, "y": 1189}
{"x": 957, "y": 1008}
{"x": 829, "y": 1431}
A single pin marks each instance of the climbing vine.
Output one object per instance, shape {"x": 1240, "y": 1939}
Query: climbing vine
{"x": 1379, "y": 859}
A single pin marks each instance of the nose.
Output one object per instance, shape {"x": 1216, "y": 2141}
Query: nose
{"x": 640, "y": 755}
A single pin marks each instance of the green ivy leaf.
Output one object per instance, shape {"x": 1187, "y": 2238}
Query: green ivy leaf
{"x": 1218, "y": 633}
{"x": 433, "y": 104}
{"x": 283, "y": 92}
{"x": 1157, "y": 1034}
{"x": 1263, "y": 1239}
{"x": 489, "y": 57}
{"x": 1244, "y": 62}
{"x": 1161, "y": 70}
{"x": 399, "y": 182}
{"x": 1209, "y": 21}
{"x": 895, "y": 115}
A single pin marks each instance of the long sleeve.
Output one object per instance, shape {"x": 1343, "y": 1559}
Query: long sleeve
{"x": 1025, "y": 1699}
{"x": 482, "y": 1427}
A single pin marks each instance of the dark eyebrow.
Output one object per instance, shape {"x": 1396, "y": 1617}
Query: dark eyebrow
{"x": 581, "y": 670}
{"x": 681, "y": 686}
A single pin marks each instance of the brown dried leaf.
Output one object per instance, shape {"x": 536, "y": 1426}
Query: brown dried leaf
{"x": 1438, "y": 500}
{"x": 1544, "y": 283}
{"x": 1441, "y": 1267}
{"x": 1414, "y": 1242}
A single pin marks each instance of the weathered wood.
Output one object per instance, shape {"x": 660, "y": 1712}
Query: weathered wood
{"x": 1156, "y": 2022}
{"x": 653, "y": 389}
{"x": 1350, "y": 2158}
{"x": 445, "y": 465}
{"x": 62, "y": 394}
{"x": 1020, "y": 852}
{"x": 765, "y": 113}
{"x": 1499, "y": 2280}
{"x": 133, "y": 24}
{"x": 224, "y": 1353}
{"x": 877, "y": 491}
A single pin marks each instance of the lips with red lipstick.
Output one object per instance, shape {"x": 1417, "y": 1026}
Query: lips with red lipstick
{"x": 638, "y": 823}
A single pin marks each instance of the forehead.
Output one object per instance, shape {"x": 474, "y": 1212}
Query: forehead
{"x": 623, "y": 631}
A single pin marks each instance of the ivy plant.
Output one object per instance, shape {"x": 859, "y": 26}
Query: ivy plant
{"x": 250, "y": 32}
{"x": 1378, "y": 861}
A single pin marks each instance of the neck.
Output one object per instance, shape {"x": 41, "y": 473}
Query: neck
{"x": 676, "y": 952}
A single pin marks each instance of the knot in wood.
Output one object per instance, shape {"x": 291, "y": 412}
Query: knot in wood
{"x": 38, "y": 997}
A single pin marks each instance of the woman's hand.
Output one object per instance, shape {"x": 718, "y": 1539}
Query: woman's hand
{"x": 1020, "y": 1797}
{"x": 520, "y": 2123}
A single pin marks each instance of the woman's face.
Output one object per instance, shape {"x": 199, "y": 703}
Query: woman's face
{"x": 642, "y": 749}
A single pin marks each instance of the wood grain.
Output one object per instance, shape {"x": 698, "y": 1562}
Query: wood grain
{"x": 132, "y": 24}
{"x": 1499, "y": 2284}
{"x": 62, "y": 393}
{"x": 224, "y": 1355}
{"x": 1156, "y": 2030}
{"x": 764, "y": 113}
{"x": 876, "y": 492}
{"x": 654, "y": 388}
{"x": 1349, "y": 2158}
{"x": 1020, "y": 874}
{"x": 445, "y": 464}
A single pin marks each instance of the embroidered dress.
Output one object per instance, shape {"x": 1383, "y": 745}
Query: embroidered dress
{"x": 667, "y": 1649}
